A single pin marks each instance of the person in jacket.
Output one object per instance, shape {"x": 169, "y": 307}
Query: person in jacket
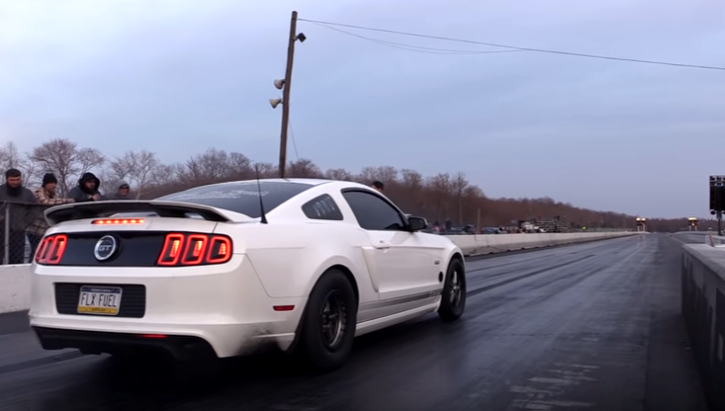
{"x": 48, "y": 196}
{"x": 17, "y": 204}
{"x": 123, "y": 191}
{"x": 87, "y": 189}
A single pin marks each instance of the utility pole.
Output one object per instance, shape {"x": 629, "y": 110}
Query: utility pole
{"x": 285, "y": 85}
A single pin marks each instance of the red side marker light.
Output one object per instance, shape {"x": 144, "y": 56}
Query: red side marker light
{"x": 153, "y": 336}
{"x": 283, "y": 307}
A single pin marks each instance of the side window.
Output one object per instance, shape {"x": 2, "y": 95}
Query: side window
{"x": 322, "y": 208}
{"x": 372, "y": 212}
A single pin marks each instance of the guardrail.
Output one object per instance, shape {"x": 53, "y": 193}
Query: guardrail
{"x": 703, "y": 307}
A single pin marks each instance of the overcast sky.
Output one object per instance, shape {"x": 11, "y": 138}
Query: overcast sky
{"x": 178, "y": 76}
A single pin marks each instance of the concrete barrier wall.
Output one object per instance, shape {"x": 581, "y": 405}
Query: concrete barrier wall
{"x": 14, "y": 288}
{"x": 15, "y": 279}
{"x": 703, "y": 306}
{"x": 496, "y": 243}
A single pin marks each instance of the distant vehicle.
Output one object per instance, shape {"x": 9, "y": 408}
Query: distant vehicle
{"x": 227, "y": 269}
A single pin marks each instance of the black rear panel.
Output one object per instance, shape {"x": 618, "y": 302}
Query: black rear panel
{"x": 135, "y": 249}
{"x": 133, "y": 301}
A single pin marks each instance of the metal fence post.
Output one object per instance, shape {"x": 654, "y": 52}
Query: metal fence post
{"x": 6, "y": 251}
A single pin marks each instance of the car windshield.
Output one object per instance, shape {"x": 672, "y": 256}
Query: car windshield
{"x": 241, "y": 197}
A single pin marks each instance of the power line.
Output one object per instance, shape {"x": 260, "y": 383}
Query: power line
{"x": 294, "y": 142}
{"x": 410, "y": 47}
{"x": 536, "y": 50}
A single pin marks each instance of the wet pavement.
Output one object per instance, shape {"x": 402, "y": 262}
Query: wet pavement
{"x": 593, "y": 326}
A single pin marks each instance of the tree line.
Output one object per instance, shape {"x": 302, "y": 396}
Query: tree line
{"x": 440, "y": 197}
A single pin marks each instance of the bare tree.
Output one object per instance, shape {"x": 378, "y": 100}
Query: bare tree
{"x": 108, "y": 180}
{"x": 386, "y": 174}
{"x": 304, "y": 168}
{"x": 458, "y": 187}
{"x": 240, "y": 166}
{"x": 266, "y": 170}
{"x": 10, "y": 156}
{"x": 339, "y": 174}
{"x": 166, "y": 175}
{"x": 59, "y": 156}
{"x": 136, "y": 167}
{"x": 146, "y": 163}
{"x": 89, "y": 160}
{"x": 121, "y": 167}
{"x": 441, "y": 186}
{"x": 213, "y": 165}
{"x": 411, "y": 178}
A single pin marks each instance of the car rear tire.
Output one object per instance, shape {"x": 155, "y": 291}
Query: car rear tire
{"x": 453, "y": 298}
{"x": 329, "y": 322}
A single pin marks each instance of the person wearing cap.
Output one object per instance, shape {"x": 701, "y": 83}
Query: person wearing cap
{"x": 123, "y": 191}
{"x": 48, "y": 196}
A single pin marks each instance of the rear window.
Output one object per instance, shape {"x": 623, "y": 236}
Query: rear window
{"x": 241, "y": 197}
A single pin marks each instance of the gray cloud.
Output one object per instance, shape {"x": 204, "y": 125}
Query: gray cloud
{"x": 180, "y": 76}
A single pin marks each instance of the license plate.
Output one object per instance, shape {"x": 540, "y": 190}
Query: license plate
{"x": 99, "y": 300}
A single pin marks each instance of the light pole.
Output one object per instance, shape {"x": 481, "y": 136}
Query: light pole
{"x": 692, "y": 223}
{"x": 641, "y": 222}
{"x": 284, "y": 85}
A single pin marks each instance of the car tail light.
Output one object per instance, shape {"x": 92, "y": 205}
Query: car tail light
{"x": 220, "y": 250}
{"x": 195, "y": 249}
{"x": 51, "y": 249}
{"x": 171, "y": 253}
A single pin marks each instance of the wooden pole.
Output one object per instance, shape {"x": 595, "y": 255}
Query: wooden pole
{"x": 286, "y": 94}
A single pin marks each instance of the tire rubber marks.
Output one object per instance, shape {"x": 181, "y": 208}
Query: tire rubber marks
{"x": 543, "y": 392}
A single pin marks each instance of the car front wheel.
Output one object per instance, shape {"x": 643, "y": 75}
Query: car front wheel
{"x": 453, "y": 298}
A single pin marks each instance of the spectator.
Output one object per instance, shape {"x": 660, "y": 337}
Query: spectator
{"x": 123, "y": 191}
{"x": 87, "y": 189}
{"x": 21, "y": 215}
{"x": 378, "y": 185}
{"x": 45, "y": 195}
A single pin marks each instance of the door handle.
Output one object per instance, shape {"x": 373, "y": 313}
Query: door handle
{"x": 382, "y": 245}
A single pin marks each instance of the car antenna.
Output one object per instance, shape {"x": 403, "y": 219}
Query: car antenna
{"x": 259, "y": 191}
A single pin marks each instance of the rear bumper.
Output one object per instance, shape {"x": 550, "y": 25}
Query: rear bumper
{"x": 90, "y": 342}
{"x": 224, "y": 306}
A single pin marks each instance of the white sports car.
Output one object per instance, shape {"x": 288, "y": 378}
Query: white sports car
{"x": 227, "y": 269}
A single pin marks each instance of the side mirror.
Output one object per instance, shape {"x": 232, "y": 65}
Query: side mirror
{"x": 417, "y": 223}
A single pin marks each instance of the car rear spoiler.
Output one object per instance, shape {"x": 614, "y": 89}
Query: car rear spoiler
{"x": 78, "y": 211}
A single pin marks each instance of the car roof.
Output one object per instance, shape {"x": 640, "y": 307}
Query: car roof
{"x": 307, "y": 181}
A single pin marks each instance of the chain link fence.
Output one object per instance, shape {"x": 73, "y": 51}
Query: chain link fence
{"x": 22, "y": 226}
